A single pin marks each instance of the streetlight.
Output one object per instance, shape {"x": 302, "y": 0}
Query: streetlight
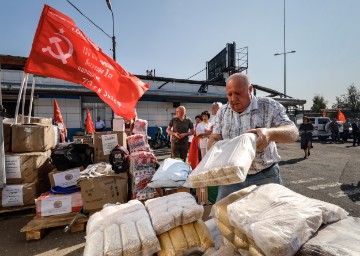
{"x": 113, "y": 37}
{"x": 284, "y": 53}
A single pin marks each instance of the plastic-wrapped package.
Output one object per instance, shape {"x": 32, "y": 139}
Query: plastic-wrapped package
{"x": 339, "y": 238}
{"x": 183, "y": 240}
{"x": 112, "y": 241}
{"x": 141, "y": 157}
{"x": 227, "y": 162}
{"x": 123, "y": 229}
{"x": 214, "y": 231}
{"x": 140, "y": 127}
{"x": 138, "y": 142}
{"x": 171, "y": 173}
{"x": 279, "y": 220}
{"x": 173, "y": 210}
{"x": 140, "y": 179}
{"x": 94, "y": 244}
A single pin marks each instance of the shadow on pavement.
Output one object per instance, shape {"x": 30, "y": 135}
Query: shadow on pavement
{"x": 355, "y": 191}
{"x": 292, "y": 161}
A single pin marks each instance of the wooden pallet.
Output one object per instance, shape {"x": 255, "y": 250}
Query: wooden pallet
{"x": 36, "y": 228}
{"x": 16, "y": 208}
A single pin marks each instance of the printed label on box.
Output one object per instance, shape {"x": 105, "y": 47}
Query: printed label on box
{"x": 109, "y": 141}
{"x": 55, "y": 205}
{"x": 66, "y": 178}
{"x": 12, "y": 195}
{"x": 12, "y": 167}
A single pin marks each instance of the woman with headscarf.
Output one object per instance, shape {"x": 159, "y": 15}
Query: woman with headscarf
{"x": 305, "y": 130}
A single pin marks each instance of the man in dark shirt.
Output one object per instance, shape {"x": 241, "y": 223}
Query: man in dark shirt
{"x": 180, "y": 128}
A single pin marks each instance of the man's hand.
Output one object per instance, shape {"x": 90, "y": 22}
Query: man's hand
{"x": 263, "y": 138}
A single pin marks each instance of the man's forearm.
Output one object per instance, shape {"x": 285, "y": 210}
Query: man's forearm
{"x": 284, "y": 134}
{"x": 212, "y": 139}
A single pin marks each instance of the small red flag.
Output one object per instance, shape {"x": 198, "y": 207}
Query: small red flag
{"x": 89, "y": 125}
{"x": 61, "y": 50}
{"x": 324, "y": 113}
{"x": 341, "y": 116}
{"x": 58, "y": 119}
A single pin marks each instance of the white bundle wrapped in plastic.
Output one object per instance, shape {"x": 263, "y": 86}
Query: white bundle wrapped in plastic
{"x": 214, "y": 231}
{"x": 227, "y": 162}
{"x": 121, "y": 230}
{"x": 172, "y": 211}
{"x": 279, "y": 221}
{"x": 171, "y": 173}
{"x": 190, "y": 239}
{"x": 340, "y": 238}
{"x": 140, "y": 126}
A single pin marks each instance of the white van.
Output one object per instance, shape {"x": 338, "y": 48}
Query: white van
{"x": 319, "y": 124}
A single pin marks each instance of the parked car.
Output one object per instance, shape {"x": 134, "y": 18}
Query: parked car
{"x": 319, "y": 124}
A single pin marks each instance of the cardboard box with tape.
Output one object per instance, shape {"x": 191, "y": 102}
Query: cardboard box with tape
{"x": 18, "y": 195}
{"x": 65, "y": 178}
{"x": 104, "y": 142}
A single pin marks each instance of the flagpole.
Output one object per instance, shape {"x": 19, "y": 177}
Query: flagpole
{"x": 19, "y": 98}
{"x": 23, "y": 101}
{"x": 31, "y": 99}
{"x": 2, "y": 149}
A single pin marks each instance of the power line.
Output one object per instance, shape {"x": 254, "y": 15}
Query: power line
{"x": 88, "y": 19}
{"x": 197, "y": 73}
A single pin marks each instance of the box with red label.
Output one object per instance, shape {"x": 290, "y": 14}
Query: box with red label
{"x": 139, "y": 180}
{"x": 49, "y": 204}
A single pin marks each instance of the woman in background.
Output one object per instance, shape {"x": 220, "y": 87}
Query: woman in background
{"x": 306, "y": 129}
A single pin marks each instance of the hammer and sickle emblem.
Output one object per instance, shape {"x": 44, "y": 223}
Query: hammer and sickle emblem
{"x": 61, "y": 56}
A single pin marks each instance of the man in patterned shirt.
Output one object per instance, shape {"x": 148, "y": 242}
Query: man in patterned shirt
{"x": 262, "y": 116}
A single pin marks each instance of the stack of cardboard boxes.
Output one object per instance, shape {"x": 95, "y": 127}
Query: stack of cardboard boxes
{"x": 27, "y": 161}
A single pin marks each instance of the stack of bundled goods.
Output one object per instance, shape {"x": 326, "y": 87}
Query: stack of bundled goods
{"x": 123, "y": 229}
{"x": 100, "y": 185}
{"x": 271, "y": 219}
{"x": 176, "y": 219}
{"x": 142, "y": 162}
{"x": 227, "y": 162}
{"x": 27, "y": 161}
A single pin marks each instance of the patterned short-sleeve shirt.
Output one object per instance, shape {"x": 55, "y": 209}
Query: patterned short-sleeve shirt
{"x": 261, "y": 113}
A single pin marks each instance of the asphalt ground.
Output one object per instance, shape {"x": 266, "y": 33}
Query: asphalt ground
{"x": 331, "y": 174}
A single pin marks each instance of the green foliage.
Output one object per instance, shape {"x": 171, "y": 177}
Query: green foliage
{"x": 319, "y": 103}
{"x": 349, "y": 101}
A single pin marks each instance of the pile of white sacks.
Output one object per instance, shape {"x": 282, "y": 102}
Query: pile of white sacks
{"x": 169, "y": 225}
{"x": 273, "y": 220}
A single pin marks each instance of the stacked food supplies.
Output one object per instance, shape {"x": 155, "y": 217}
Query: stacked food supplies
{"x": 142, "y": 162}
{"x": 176, "y": 219}
{"x": 271, "y": 219}
{"x": 27, "y": 161}
{"x": 123, "y": 229}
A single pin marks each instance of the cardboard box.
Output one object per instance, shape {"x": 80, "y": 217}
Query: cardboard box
{"x": 105, "y": 189}
{"x": 65, "y": 178}
{"x": 18, "y": 195}
{"x": 23, "y": 168}
{"x": 83, "y": 139}
{"x": 104, "y": 142}
{"x": 32, "y": 138}
{"x": 7, "y": 136}
{"x": 36, "y": 120}
{"x": 202, "y": 195}
{"x": 50, "y": 204}
{"x": 118, "y": 124}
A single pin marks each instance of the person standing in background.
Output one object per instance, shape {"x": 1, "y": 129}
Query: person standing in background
{"x": 214, "y": 109}
{"x": 203, "y": 132}
{"x": 306, "y": 129}
{"x": 99, "y": 125}
{"x": 180, "y": 128}
{"x": 355, "y": 132}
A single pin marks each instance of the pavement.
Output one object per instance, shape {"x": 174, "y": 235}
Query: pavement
{"x": 330, "y": 174}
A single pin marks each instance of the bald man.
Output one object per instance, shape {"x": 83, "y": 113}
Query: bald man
{"x": 263, "y": 116}
{"x": 180, "y": 128}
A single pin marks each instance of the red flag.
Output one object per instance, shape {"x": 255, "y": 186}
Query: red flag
{"x": 324, "y": 113}
{"x": 58, "y": 119}
{"x": 341, "y": 116}
{"x": 61, "y": 50}
{"x": 89, "y": 125}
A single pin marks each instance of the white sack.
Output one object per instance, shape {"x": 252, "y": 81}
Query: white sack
{"x": 227, "y": 162}
{"x": 339, "y": 238}
{"x": 171, "y": 173}
{"x": 279, "y": 220}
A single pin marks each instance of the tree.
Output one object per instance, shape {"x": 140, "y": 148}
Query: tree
{"x": 319, "y": 103}
{"x": 349, "y": 101}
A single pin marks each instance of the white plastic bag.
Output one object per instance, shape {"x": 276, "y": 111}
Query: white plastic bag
{"x": 227, "y": 162}
{"x": 339, "y": 238}
{"x": 279, "y": 220}
{"x": 171, "y": 173}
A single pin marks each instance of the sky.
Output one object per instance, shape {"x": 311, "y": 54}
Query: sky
{"x": 177, "y": 38}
